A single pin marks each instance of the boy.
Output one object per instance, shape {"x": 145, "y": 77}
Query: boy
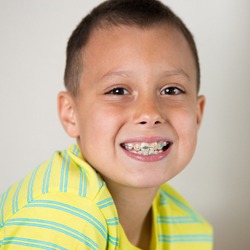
{"x": 132, "y": 79}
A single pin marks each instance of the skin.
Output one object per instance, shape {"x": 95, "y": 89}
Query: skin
{"x": 137, "y": 85}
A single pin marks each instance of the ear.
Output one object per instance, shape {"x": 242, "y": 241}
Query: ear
{"x": 200, "y": 109}
{"x": 67, "y": 114}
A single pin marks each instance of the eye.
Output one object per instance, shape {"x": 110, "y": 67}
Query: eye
{"x": 117, "y": 91}
{"x": 172, "y": 91}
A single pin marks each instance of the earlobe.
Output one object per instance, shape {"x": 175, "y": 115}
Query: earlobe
{"x": 201, "y": 100}
{"x": 67, "y": 114}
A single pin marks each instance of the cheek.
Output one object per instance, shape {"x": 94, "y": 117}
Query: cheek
{"x": 186, "y": 127}
{"x": 100, "y": 124}
{"x": 99, "y": 129}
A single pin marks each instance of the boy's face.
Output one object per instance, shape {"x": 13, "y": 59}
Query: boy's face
{"x": 137, "y": 113}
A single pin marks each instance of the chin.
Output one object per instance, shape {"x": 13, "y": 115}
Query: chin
{"x": 152, "y": 181}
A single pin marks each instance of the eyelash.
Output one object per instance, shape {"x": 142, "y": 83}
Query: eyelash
{"x": 166, "y": 91}
{"x": 117, "y": 91}
{"x": 172, "y": 91}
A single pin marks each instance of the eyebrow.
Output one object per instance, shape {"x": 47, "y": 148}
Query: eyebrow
{"x": 112, "y": 74}
{"x": 166, "y": 73}
{"x": 176, "y": 72}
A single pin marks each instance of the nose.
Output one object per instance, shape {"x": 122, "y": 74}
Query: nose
{"x": 148, "y": 112}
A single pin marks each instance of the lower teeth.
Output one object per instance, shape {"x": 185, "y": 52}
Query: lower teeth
{"x": 146, "y": 153}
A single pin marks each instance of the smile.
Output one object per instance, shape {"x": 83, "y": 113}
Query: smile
{"x": 147, "y": 149}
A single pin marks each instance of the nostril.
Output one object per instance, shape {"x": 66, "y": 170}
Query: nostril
{"x": 144, "y": 122}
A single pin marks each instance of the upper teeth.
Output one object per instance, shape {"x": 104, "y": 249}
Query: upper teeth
{"x": 144, "y": 148}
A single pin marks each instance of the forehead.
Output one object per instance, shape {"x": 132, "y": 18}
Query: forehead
{"x": 130, "y": 47}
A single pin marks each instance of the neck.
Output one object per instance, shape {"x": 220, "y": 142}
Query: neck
{"x": 134, "y": 210}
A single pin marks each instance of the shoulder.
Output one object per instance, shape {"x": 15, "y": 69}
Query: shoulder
{"x": 173, "y": 210}
{"x": 56, "y": 219}
{"x": 170, "y": 199}
{"x": 169, "y": 194}
{"x": 65, "y": 173}
{"x": 178, "y": 225}
{"x": 63, "y": 195}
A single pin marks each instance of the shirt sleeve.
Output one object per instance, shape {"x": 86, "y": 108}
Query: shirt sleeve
{"x": 55, "y": 221}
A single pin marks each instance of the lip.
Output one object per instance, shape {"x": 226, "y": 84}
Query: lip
{"x": 147, "y": 139}
{"x": 147, "y": 158}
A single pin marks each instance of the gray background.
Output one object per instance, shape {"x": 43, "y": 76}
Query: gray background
{"x": 33, "y": 36}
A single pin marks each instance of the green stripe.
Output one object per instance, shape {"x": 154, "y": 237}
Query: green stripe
{"x": 105, "y": 203}
{"x": 25, "y": 244}
{"x": 46, "y": 178}
{"x": 113, "y": 240}
{"x": 185, "y": 238}
{"x": 15, "y": 197}
{"x": 2, "y": 205}
{"x": 31, "y": 184}
{"x": 54, "y": 226}
{"x": 182, "y": 206}
{"x": 83, "y": 183}
{"x": 31, "y": 243}
{"x": 113, "y": 221}
{"x": 99, "y": 180}
{"x": 64, "y": 173}
{"x": 71, "y": 210}
{"x": 76, "y": 150}
{"x": 176, "y": 220}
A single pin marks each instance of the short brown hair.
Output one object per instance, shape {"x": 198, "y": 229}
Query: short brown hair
{"x": 141, "y": 13}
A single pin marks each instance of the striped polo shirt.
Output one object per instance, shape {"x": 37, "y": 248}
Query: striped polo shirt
{"x": 65, "y": 204}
